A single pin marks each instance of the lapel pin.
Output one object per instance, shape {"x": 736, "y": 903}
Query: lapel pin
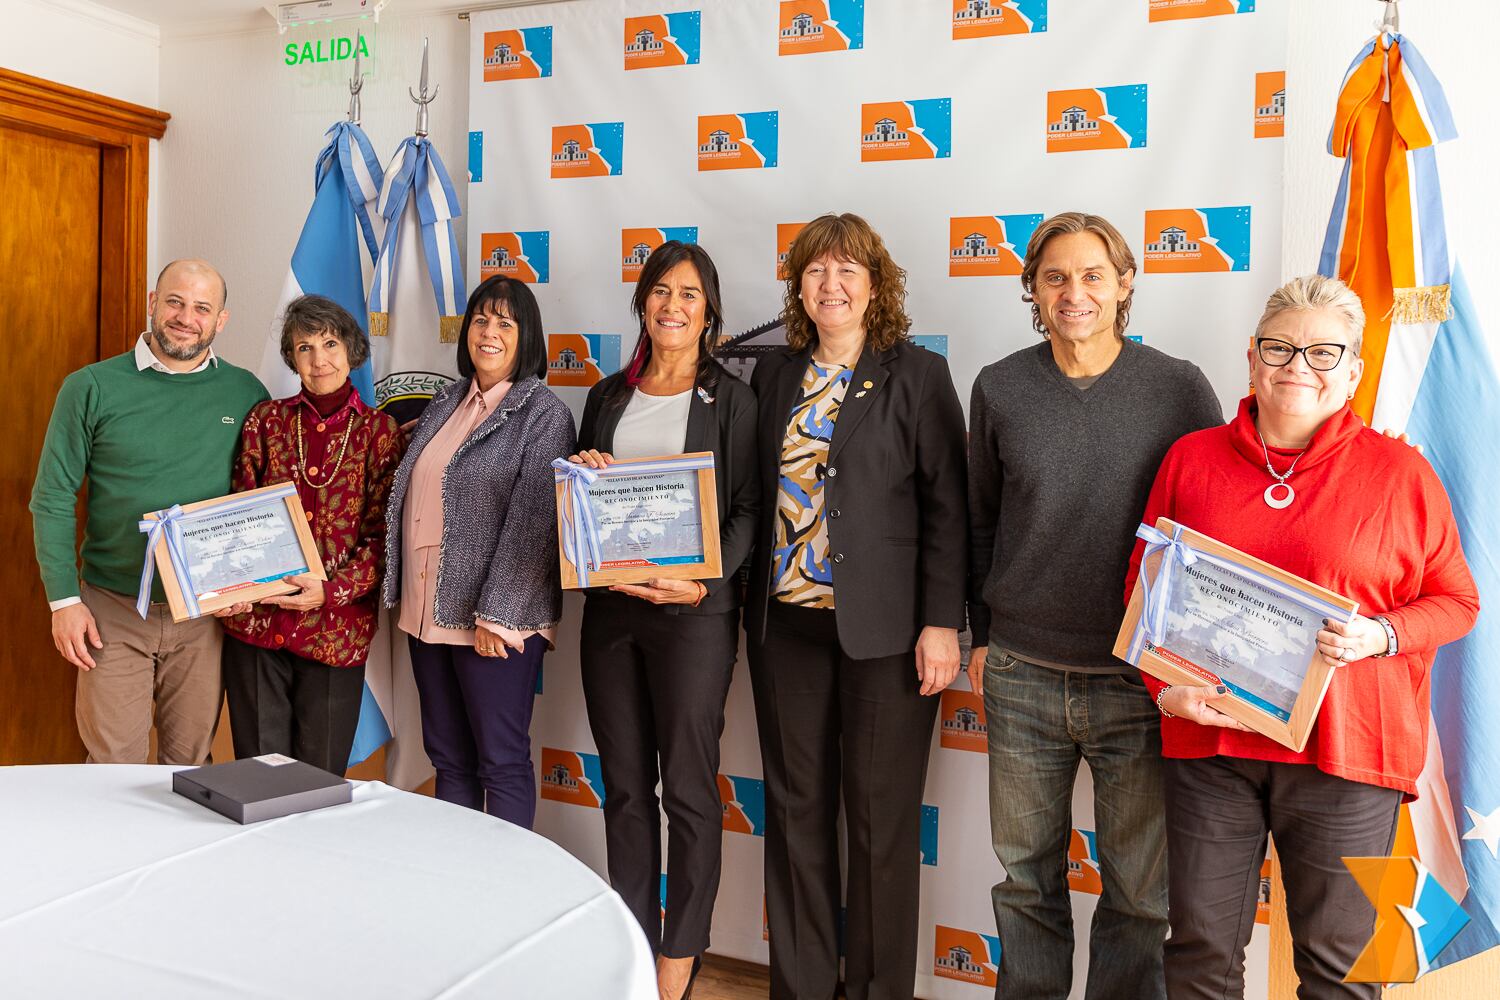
{"x": 703, "y": 395}
{"x": 869, "y": 384}
{"x": 859, "y": 394}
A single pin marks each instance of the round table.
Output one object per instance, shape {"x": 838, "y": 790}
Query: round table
{"x": 112, "y": 885}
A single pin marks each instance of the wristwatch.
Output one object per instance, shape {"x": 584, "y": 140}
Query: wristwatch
{"x": 1391, "y": 646}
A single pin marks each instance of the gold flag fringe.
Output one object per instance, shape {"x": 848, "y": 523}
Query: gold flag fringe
{"x": 1431, "y": 304}
{"x": 380, "y": 324}
{"x": 448, "y": 328}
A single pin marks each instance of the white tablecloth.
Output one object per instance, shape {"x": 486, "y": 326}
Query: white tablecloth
{"x": 111, "y": 885}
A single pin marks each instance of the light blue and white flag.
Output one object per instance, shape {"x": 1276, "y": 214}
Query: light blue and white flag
{"x": 419, "y": 178}
{"x": 346, "y": 180}
{"x": 1436, "y": 379}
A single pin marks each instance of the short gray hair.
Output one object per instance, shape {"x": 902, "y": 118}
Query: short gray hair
{"x": 1313, "y": 292}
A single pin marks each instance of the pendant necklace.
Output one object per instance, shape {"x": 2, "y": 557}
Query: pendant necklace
{"x": 1273, "y": 501}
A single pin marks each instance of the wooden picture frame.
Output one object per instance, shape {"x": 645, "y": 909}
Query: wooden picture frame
{"x": 643, "y": 566}
{"x": 250, "y": 590}
{"x": 1292, "y": 614}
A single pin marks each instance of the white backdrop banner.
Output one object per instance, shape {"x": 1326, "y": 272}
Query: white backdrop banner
{"x": 601, "y": 128}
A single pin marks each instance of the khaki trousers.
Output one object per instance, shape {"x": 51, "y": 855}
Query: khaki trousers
{"x": 149, "y": 670}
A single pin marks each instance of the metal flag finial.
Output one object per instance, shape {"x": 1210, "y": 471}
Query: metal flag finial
{"x": 356, "y": 82}
{"x": 424, "y": 98}
{"x": 1390, "y": 21}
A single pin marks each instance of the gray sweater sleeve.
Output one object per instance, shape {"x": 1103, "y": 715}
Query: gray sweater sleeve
{"x": 985, "y": 476}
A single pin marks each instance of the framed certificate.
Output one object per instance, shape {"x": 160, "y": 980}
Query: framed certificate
{"x": 1204, "y": 613}
{"x": 237, "y": 548}
{"x": 637, "y": 520}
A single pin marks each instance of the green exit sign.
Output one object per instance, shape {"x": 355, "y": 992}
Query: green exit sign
{"x": 325, "y": 51}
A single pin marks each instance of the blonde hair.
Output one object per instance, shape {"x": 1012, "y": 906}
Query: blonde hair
{"x": 847, "y": 237}
{"x": 1313, "y": 292}
{"x": 1066, "y": 224}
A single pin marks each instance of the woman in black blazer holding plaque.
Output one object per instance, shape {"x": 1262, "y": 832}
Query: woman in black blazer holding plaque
{"x": 657, "y": 659}
{"x": 855, "y": 602}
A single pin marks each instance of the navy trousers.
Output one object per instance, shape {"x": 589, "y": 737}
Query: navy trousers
{"x": 476, "y": 725}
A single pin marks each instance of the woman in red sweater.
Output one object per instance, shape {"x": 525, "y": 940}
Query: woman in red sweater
{"x": 1297, "y": 480}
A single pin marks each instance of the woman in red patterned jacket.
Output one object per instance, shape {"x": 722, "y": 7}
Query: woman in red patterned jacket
{"x": 294, "y": 665}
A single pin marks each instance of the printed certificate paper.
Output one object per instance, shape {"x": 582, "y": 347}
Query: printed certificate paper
{"x": 637, "y": 520}
{"x": 233, "y": 549}
{"x": 1205, "y": 613}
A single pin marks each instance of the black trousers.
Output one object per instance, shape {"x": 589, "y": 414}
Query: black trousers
{"x": 654, "y": 684}
{"x": 1219, "y": 810}
{"x": 828, "y": 721}
{"x": 280, "y": 702}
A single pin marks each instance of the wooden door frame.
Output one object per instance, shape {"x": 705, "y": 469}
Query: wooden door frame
{"x": 122, "y": 132}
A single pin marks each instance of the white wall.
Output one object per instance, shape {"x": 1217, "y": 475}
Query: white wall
{"x": 83, "y": 45}
{"x": 237, "y": 161}
{"x": 1456, "y": 38}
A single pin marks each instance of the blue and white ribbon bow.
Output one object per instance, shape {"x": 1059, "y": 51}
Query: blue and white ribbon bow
{"x": 418, "y": 172}
{"x": 168, "y": 524}
{"x": 349, "y": 150}
{"x": 580, "y": 532}
{"x": 1154, "y": 598}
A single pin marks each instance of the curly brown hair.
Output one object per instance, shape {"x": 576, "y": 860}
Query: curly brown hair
{"x": 1066, "y": 224}
{"x": 847, "y": 237}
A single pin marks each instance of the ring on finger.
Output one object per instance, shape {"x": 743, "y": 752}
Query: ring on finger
{"x": 1347, "y": 654}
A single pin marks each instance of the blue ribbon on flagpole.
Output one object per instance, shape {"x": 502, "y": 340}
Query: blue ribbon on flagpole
{"x": 347, "y": 137}
{"x": 421, "y": 174}
{"x": 580, "y": 535}
{"x": 168, "y": 524}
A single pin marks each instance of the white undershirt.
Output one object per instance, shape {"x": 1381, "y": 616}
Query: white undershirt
{"x": 653, "y": 425}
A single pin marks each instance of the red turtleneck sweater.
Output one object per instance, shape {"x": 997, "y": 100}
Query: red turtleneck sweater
{"x": 1370, "y": 521}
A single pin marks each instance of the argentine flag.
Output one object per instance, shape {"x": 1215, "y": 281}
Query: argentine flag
{"x": 1431, "y": 371}
{"x": 346, "y": 179}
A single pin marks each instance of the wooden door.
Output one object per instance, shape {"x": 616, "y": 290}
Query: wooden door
{"x": 49, "y": 279}
{"x": 72, "y": 278}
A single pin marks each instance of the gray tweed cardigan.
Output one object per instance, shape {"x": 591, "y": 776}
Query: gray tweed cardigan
{"x": 498, "y": 557}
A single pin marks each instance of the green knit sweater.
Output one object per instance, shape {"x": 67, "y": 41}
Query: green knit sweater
{"x": 144, "y": 440}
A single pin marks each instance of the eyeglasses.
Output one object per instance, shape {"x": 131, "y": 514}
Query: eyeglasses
{"x": 1319, "y": 357}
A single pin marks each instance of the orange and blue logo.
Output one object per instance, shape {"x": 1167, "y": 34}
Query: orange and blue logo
{"x": 1270, "y": 105}
{"x": 928, "y": 844}
{"x": 1177, "y": 10}
{"x": 1180, "y": 240}
{"x": 785, "y": 233}
{"x": 738, "y": 142}
{"x": 1415, "y": 919}
{"x": 1083, "y": 863}
{"x": 821, "y": 26}
{"x": 522, "y": 256}
{"x": 657, "y": 40}
{"x": 581, "y": 359}
{"x": 906, "y": 130}
{"x": 574, "y": 778}
{"x": 1263, "y": 895}
{"x": 987, "y": 18}
{"x": 517, "y": 54}
{"x": 968, "y": 956}
{"x": 1096, "y": 118}
{"x": 588, "y": 150}
{"x": 983, "y": 246}
{"x": 636, "y": 245}
{"x": 961, "y": 724}
{"x": 744, "y": 801}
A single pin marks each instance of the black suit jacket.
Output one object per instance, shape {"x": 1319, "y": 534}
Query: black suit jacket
{"x": 894, "y": 495}
{"x": 720, "y": 420}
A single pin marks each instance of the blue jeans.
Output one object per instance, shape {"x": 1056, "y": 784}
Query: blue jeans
{"x": 1042, "y": 722}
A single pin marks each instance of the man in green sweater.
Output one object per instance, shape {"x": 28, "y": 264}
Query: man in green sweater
{"x": 149, "y": 428}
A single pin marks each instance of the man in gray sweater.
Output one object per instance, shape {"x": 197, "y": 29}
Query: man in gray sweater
{"x": 1064, "y": 442}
